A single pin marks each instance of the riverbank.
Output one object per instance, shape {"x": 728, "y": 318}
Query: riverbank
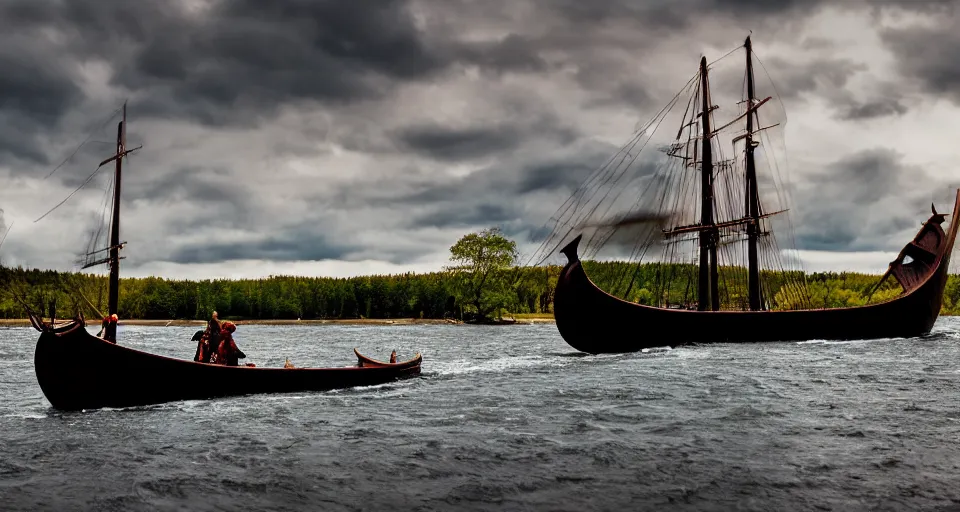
{"x": 520, "y": 320}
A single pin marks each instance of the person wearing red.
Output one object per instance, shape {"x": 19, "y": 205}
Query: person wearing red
{"x": 202, "y": 343}
{"x": 107, "y": 320}
{"x": 228, "y": 353}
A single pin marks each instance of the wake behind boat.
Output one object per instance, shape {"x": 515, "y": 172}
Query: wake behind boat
{"x": 718, "y": 275}
{"x": 77, "y": 370}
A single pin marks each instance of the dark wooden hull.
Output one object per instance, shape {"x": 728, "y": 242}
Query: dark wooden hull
{"x": 77, "y": 370}
{"x": 367, "y": 362}
{"x": 593, "y": 321}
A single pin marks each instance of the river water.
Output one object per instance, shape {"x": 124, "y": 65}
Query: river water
{"x": 507, "y": 418}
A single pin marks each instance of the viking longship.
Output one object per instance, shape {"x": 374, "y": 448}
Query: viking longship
{"x": 78, "y": 370}
{"x": 702, "y": 241}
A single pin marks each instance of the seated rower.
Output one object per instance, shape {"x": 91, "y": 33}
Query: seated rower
{"x": 393, "y": 356}
{"x": 228, "y": 353}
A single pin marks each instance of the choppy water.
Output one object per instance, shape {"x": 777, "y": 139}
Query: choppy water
{"x": 508, "y": 418}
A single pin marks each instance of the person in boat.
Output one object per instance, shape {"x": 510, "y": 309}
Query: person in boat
{"x": 212, "y": 335}
{"x": 393, "y": 356}
{"x": 228, "y": 353}
{"x": 200, "y": 338}
{"x": 107, "y": 320}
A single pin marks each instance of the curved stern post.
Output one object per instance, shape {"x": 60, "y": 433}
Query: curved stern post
{"x": 570, "y": 250}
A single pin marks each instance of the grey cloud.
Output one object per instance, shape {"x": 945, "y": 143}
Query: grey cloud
{"x": 605, "y": 44}
{"x": 925, "y": 55}
{"x": 452, "y": 143}
{"x": 19, "y": 143}
{"x": 233, "y": 63}
{"x": 940, "y": 7}
{"x": 817, "y": 43}
{"x": 523, "y": 174}
{"x": 553, "y": 175}
{"x": 679, "y": 14}
{"x": 36, "y": 89}
{"x": 518, "y": 193}
{"x": 827, "y": 78}
{"x": 860, "y": 202}
{"x": 458, "y": 144}
{"x": 467, "y": 215}
{"x": 257, "y": 56}
{"x": 794, "y": 79}
{"x": 512, "y": 53}
{"x": 872, "y": 110}
{"x": 194, "y": 184}
{"x": 237, "y": 62}
{"x": 292, "y": 246}
{"x": 237, "y": 67}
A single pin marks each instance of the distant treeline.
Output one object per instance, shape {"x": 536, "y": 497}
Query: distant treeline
{"x": 432, "y": 295}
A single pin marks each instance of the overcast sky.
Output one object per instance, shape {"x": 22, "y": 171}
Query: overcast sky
{"x": 345, "y": 138}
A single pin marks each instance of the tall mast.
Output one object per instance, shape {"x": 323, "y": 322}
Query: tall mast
{"x": 753, "y": 198}
{"x": 115, "y": 245}
{"x": 708, "y": 291}
{"x": 114, "y": 292}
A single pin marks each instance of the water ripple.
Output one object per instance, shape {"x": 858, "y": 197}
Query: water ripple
{"x": 507, "y": 419}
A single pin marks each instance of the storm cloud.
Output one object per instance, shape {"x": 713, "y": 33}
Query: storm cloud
{"x": 377, "y": 133}
{"x": 866, "y": 202}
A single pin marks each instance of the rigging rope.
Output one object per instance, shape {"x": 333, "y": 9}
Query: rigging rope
{"x": 94, "y": 173}
{"x": 667, "y": 191}
{"x": 91, "y": 134}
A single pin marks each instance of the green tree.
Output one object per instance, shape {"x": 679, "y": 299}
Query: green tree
{"x": 482, "y": 271}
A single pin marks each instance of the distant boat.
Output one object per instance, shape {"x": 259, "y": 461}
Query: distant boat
{"x": 365, "y": 361}
{"x": 77, "y": 370}
{"x": 726, "y": 193}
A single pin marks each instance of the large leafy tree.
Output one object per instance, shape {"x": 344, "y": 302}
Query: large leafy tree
{"x": 482, "y": 268}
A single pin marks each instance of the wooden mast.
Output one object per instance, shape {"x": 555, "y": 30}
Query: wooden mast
{"x": 114, "y": 292}
{"x": 753, "y": 197}
{"x": 708, "y": 291}
{"x": 110, "y": 333}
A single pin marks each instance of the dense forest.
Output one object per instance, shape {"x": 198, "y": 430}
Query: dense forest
{"x": 433, "y": 295}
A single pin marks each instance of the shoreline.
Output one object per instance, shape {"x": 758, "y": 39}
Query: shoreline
{"x": 24, "y": 322}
